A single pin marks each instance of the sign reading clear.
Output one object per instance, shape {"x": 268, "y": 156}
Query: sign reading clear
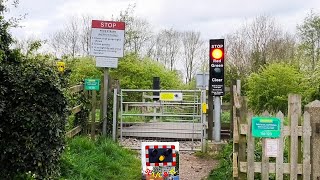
{"x": 267, "y": 127}
{"x": 92, "y": 84}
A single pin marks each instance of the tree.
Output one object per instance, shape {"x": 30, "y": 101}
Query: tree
{"x": 165, "y": 47}
{"x": 5, "y": 37}
{"x": 309, "y": 34}
{"x": 86, "y": 34}
{"x": 268, "y": 89}
{"x": 28, "y": 46}
{"x": 191, "y": 44}
{"x": 74, "y": 38}
{"x": 258, "y": 43}
{"x": 137, "y": 32}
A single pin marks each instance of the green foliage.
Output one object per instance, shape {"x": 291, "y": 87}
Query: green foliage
{"x": 5, "y": 37}
{"x": 135, "y": 73}
{"x": 134, "y": 118}
{"x": 83, "y": 68}
{"x": 269, "y": 88}
{"x": 33, "y": 115}
{"x": 224, "y": 170}
{"x": 225, "y": 117}
{"x": 310, "y": 40}
{"x": 103, "y": 159}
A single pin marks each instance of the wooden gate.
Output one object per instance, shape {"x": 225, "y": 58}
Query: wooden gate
{"x": 293, "y": 153}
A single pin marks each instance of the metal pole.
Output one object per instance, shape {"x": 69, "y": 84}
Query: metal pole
{"x": 105, "y": 101}
{"x": 217, "y": 113}
{"x": 114, "y": 124}
{"x": 121, "y": 112}
{"x": 204, "y": 122}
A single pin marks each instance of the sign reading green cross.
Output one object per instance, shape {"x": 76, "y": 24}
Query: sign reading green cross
{"x": 266, "y": 127}
{"x": 92, "y": 84}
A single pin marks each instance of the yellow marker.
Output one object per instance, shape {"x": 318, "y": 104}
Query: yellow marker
{"x": 61, "y": 66}
{"x": 166, "y": 96}
{"x": 204, "y": 108}
{"x": 161, "y": 158}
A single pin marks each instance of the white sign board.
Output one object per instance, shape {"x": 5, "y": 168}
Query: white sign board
{"x": 143, "y": 151}
{"x": 107, "y": 38}
{"x": 272, "y": 147}
{"x": 202, "y": 80}
{"x": 107, "y": 62}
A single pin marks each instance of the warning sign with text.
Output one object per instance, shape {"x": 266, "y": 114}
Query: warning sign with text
{"x": 107, "y": 38}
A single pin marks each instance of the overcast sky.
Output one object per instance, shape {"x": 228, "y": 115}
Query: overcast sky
{"x": 212, "y": 18}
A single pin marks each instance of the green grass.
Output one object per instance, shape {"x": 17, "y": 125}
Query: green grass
{"x": 225, "y": 117}
{"x": 135, "y": 118}
{"x": 224, "y": 169}
{"x": 84, "y": 159}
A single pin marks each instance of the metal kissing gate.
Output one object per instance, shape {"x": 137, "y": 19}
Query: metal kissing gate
{"x": 162, "y": 115}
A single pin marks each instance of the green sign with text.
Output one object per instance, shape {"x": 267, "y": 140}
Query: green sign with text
{"x": 267, "y": 127}
{"x": 92, "y": 84}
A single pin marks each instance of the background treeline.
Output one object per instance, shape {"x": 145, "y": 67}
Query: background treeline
{"x": 250, "y": 49}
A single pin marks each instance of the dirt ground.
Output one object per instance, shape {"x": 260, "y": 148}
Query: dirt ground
{"x": 195, "y": 168}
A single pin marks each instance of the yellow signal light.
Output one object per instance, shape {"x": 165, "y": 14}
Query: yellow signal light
{"x": 161, "y": 158}
{"x": 217, "y": 54}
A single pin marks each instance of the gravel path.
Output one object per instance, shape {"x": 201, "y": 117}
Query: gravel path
{"x": 195, "y": 168}
{"x": 191, "y": 166}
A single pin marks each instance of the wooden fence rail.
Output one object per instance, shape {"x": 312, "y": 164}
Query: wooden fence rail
{"x": 74, "y": 110}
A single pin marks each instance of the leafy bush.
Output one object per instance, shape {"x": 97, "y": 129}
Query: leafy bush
{"x": 33, "y": 115}
{"x": 269, "y": 88}
{"x": 83, "y": 68}
{"x": 136, "y": 73}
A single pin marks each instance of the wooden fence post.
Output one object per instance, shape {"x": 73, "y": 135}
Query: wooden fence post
{"x": 279, "y": 160}
{"x": 264, "y": 158}
{"x": 313, "y": 109}
{"x": 294, "y": 112}
{"x": 236, "y": 133}
{"x": 242, "y": 137}
{"x": 250, "y": 148}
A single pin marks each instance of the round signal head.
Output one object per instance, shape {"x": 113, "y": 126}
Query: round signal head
{"x": 161, "y": 158}
{"x": 217, "y": 54}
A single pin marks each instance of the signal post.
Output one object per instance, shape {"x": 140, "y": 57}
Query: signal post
{"x": 216, "y": 81}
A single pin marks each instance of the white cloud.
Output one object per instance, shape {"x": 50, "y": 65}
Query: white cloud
{"x": 212, "y": 18}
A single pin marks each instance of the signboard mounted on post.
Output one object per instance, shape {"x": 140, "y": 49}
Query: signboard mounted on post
{"x": 107, "y": 38}
{"x": 216, "y": 65}
{"x": 107, "y": 45}
{"x": 92, "y": 84}
{"x": 266, "y": 127}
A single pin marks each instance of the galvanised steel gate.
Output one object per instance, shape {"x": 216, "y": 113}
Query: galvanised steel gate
{"x": 162, "y": 115}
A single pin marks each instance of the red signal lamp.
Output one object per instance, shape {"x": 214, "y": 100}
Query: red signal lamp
{"x": 217, "y": 53}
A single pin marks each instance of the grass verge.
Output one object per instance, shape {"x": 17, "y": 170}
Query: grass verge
{"x": 84, "y": 159}
{"x": 224, "y": 169}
